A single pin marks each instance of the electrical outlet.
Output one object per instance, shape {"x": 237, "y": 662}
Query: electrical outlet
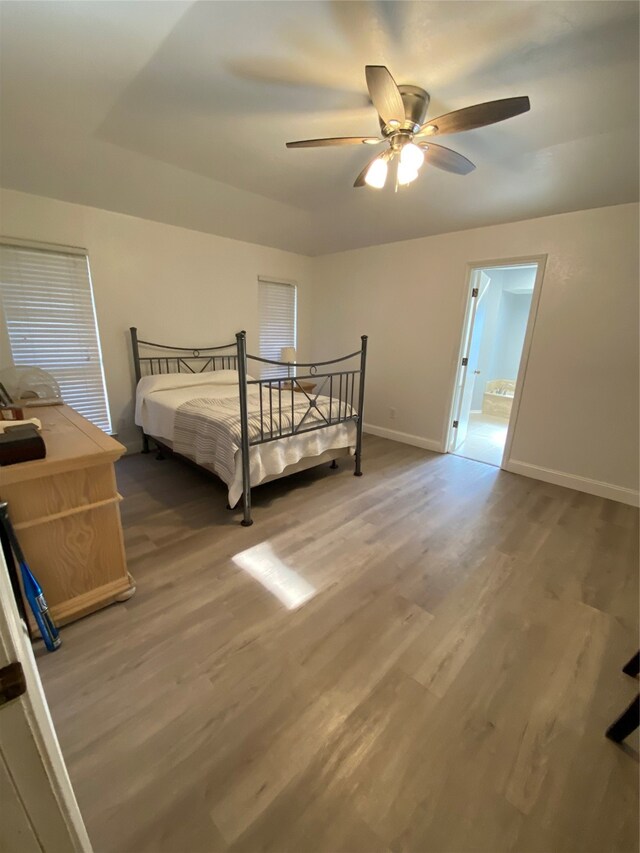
{"x": 392, "y": 413}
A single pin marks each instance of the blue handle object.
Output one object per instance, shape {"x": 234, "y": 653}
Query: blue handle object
{"x": 38, "y": 605}
{"x": 32, "y": 588}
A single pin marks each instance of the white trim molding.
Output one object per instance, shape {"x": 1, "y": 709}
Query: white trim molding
{"x": 404, "y": 438}
{"x": 574, "y": 481}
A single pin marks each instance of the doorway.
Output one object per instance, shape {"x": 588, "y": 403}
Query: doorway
{"x": 497, "y": 323}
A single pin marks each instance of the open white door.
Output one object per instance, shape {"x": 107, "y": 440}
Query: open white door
{"x": 468, "y": 367}
{"x": 39, "y": 809}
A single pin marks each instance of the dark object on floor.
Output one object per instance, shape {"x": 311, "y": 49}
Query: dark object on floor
{"x": 629, "y": 720}
{"x": 21, "y": 444}
{"x": 626, "y": 723}
{"x": 632, "y": 668}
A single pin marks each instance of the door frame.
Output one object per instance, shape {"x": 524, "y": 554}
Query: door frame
{"x": 465, "y": 311}
{"x": 40, "y": 800}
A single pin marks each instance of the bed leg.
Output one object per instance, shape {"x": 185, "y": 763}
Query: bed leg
{"x": 334, "y": 464}
{"x": 359, "y": 422}
{"x": 247, "y": 521}
{"x": 145, "y": 443}
{"x": 241, "y": 343}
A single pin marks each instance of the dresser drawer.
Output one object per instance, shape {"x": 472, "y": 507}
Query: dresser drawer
{"x": 60, "y": 493}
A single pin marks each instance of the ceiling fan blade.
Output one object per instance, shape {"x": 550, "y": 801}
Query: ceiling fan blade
{"x": 476, "y": 116}
{"x": 337, "y": 140}
{"x": 445, "y": 158}
{"x": 384, "y": 93}
{"x": 359, "y": 181}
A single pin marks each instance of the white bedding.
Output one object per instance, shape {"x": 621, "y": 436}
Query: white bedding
{"x": 158, "y": 409}
{"x": 156, "y": 406}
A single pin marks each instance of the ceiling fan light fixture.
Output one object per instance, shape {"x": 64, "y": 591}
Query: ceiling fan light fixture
{"x": 406, "y": 174}
{"x": 401, "y": 112}
{"x": 411, "y": 157}
{"x": 377, "y": 174}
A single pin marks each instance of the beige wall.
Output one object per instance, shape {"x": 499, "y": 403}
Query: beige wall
{"x": 578, "y": 421}
{"x": 176, "y": 285}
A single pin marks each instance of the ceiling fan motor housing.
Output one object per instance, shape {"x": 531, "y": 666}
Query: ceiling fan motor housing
{"x": 416, "y": 103}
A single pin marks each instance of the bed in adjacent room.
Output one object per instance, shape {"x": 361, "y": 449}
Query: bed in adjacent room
{"x": 204, "y": 405}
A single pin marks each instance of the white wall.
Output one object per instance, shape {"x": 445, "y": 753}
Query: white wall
{"x": 179, "y": 286}
{"x": 578, "y": 421}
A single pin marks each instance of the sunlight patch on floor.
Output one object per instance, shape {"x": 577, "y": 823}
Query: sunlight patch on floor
{"x": 275, "y": 576}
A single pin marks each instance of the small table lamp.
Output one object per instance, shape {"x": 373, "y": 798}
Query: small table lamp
{"x": 288, "y": 355}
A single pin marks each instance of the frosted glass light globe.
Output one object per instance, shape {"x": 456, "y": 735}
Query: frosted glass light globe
{"x": 412, "y": 157}
{"x": 376, "y": 174}
{"x": 406, "y": 174}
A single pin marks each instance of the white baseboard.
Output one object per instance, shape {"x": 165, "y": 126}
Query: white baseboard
{"x": 573, "y": 481}
{"x": 404, "y": 438}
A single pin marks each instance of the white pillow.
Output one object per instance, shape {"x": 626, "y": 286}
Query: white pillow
{"x": 167, "y": 381}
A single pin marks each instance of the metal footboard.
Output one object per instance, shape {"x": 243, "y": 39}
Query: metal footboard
{"x": 281, "y": 403}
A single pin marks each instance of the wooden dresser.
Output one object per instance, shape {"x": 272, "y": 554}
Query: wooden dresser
{"x": 65, "y": 510}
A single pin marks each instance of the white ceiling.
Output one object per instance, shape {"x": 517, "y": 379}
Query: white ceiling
{"x": 180, "y": 112}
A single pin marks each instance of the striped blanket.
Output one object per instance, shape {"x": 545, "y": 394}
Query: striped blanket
{"x": 207, "y": 430}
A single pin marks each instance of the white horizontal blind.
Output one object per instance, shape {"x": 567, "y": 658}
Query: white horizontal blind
{"x": 51, "y": 323}
{"x": 277, "y": 309}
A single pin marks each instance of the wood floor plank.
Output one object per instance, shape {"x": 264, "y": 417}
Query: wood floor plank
{"x": 442, "y": 682}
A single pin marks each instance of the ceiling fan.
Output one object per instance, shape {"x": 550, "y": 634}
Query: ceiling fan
{"x": 402, "y": 111}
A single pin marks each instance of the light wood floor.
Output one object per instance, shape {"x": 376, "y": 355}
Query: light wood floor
{"x": 445, "y": 687}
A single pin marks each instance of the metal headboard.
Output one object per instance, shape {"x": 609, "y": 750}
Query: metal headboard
{"x": 180, "y": 359}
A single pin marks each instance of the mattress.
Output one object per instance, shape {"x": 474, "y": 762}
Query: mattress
{"x": 157, "y": 403}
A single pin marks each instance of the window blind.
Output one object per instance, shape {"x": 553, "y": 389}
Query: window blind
{"x": 277, "y": 311}
{"x": 50, "y": 320}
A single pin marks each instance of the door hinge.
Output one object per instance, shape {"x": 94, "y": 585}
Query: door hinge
{"x": 455, "y": 424}
{"x": 12, "y": 682}
{"x": 475, "y": 291}
{"x": 465, "y": 362}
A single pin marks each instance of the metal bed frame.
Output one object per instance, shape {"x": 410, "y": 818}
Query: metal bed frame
{"x": 276, "y": 393}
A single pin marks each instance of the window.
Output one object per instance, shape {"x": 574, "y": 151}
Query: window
{"x": 277, "y": 307}
{"x": 50, "y": 322}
